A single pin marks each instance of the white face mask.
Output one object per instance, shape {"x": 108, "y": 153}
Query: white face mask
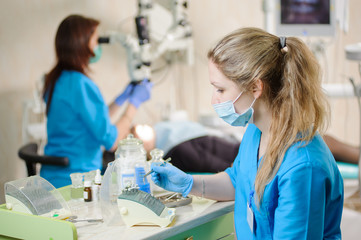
{"x": 227, "y": 112}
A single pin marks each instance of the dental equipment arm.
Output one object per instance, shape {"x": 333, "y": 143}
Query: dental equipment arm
{"x": 138, "y": 60}
{"x": 179, "y": 35}
{"x": 174, "y": 37}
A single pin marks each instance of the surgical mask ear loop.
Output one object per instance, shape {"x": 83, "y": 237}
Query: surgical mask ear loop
{"x": 237, "y": 97}
{"x": 250, "y": 106}
{"x": 253, "y": 102}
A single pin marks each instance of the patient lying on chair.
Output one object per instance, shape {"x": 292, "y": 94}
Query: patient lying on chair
{"x": 193, "y": 149}
{"x": 189, "y": 144}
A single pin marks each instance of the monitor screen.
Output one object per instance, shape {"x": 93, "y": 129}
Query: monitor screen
{"x": 305, "y": 18}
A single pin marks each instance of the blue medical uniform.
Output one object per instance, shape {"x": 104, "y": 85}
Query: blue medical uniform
{"x": 78, "y": 124}
{"x": 303, "y": 201}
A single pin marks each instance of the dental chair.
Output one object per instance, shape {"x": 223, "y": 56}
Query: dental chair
{"x": 348, "y": 170}
{"x": 29, "y": 153}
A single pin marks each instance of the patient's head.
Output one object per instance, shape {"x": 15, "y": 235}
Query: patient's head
{"x": 145, "y": 133}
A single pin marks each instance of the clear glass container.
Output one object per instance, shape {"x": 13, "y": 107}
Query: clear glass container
{"x": 126, "y": 171}
{"x": 133, "y": 164}
{"x": 157, "y": 158}
{"x": 77, "y": 188}
{"x": 157, "y": 155}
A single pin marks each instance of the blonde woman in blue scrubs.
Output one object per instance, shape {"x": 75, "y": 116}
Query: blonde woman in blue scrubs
{"x": 284, "y": 180}
{"x": 78, "y": 119}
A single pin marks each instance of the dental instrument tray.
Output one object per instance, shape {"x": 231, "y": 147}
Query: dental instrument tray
{"x": 140, "y": 208}
{"x": 35, "y": 195}
{"x": 173, "y": 200}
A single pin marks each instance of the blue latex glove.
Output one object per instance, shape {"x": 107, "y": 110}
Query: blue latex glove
{"x": 171, "y": 178}
{"x": 141, "y": 93}
{"x": 124, "y": 95}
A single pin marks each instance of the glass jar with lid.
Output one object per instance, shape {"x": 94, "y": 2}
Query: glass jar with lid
{"x": 132, "y": 161}
{"x": 126, "y": 171}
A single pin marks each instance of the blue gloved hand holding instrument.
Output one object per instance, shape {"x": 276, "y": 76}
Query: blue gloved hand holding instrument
{"x": 157, "y": 164}
{"x": 171, "y": 178}
{"x": 140, "y": 93}
{"x": 124, "y": 95}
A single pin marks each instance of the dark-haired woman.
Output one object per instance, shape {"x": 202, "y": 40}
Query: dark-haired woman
{"x": 78, "y": 119}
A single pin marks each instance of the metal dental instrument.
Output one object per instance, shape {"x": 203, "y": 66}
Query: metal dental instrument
{"x": 171, "y": 196}
{"x": 74, "y": 219}
{"x": 166, "y": 161}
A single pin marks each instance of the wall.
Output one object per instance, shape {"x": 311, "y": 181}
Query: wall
{"x": 27, "y": 30}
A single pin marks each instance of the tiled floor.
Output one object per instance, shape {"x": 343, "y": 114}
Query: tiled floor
{"x": 351, "y": 216}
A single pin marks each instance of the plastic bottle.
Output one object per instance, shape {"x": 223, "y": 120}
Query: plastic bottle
{"x": 87, "y": 191}
{"x": 96, "y": 185}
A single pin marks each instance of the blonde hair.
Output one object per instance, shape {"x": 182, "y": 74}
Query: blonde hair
{"x": 291, "y": 89}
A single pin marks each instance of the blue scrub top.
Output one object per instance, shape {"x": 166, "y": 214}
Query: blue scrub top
{"x": 78, "y": 124}
{"x": 303, "y": 201}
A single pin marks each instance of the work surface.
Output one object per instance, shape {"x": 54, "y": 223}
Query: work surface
{"x": 200, "y": 211}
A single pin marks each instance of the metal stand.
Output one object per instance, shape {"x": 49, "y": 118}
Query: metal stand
{"x": 353, "y": 52}
{"x": 357, "y": 95}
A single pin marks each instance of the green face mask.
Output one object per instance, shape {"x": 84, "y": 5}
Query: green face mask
{"x": 98, "y": 53}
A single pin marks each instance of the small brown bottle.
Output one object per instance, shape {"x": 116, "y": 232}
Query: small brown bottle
{"x": 87, "y": 191}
